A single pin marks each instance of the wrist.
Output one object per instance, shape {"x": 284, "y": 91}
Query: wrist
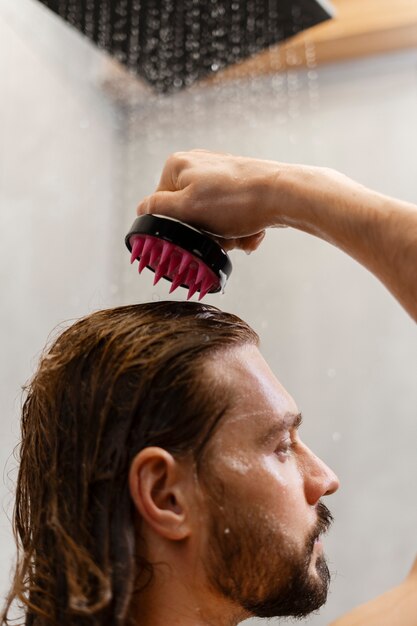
{"x": 325, "y": 203}
{"x": 295, "y": 196}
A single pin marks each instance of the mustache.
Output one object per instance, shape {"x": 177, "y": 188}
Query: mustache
{"x": 324, "y": 521}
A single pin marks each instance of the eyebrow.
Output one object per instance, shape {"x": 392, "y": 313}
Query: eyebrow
{"x": 289, "y": 422}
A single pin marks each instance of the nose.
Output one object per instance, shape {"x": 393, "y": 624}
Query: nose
{"x": 319, "y": 479}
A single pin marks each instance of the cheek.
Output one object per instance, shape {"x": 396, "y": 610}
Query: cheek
{"x": 266, "y": 481}
{"x": 269, "y": 489}
{"x": 284, "y": 493}
{"x": 283, "y": 475}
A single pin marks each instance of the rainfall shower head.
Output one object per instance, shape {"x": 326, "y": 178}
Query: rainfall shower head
{"x": 172, "y": 43}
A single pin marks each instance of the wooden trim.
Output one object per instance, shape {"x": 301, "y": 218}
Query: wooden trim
{"x": 360, "y": 28}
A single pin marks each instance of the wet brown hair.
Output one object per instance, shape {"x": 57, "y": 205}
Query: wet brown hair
{"x": 113, "y": 383}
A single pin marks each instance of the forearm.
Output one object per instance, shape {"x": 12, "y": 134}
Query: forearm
{"x": 378, "y": 231}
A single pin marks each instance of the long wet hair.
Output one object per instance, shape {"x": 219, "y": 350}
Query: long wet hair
{"x": 113, "y": 383}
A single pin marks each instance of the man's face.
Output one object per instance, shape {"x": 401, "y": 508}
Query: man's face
{"x": 263, "y": 488}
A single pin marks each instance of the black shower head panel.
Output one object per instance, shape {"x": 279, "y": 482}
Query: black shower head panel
{"x": 172, "y": 43}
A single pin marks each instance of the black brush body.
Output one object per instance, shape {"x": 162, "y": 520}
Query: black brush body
{"x": 180, "y": 253}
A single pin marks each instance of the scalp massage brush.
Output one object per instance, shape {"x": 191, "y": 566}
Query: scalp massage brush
{"x": 179, "y": 253}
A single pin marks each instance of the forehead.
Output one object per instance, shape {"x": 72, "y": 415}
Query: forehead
{"x": 256, "y": 397}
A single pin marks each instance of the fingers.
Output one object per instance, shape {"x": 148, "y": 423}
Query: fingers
{"x": 163, "y": 203}
{"x": 171, "y": 204}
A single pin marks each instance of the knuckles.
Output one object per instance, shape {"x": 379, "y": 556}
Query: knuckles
{"x": 176, "y": 160}
{"x": 151, "y": 204}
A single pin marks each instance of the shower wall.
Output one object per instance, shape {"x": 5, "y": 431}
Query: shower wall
{"x": 80, "y": 146}
{"x": 61, "y": 149}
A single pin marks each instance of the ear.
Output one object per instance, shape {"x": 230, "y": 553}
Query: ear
{"x": 159, "y": 489}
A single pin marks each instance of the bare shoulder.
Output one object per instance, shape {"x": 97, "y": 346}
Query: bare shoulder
{"x": 398, "y": 606}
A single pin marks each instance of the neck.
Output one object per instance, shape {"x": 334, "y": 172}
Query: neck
{"x": 179, "y": 595}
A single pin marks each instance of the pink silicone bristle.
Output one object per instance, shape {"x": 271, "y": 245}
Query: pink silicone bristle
{"x": 174, "y": 262}
{"x": 155, "y": 253}
{"x": 159, "y": 272}
{"x": 190, "y": 280}
{"x": 207, "y": 283}
{"x": 201, "y": 274}
{"x": 137, "y": 244}
{"x": 162, "y": 267}
{"x": 167, "y": 249}
{"x": 187, "y": 258}
{"x": 193, "y": 288}
{"x": 146, "y": 253}
{"x": 204, "y": 274}
{"x": 176, "y": 282}
{"x": 191, "y": 274}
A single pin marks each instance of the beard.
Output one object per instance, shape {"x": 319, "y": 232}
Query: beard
{"x": 253, "y": 562}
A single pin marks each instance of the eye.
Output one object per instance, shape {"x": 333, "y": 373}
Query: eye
{"x": 285, "y": 449}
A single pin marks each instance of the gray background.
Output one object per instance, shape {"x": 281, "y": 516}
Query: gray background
{"x": 81, "y": 143}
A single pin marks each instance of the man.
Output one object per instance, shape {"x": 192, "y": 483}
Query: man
{"x": 163, "y": 479}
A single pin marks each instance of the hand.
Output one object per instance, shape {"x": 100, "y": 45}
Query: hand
{"x": 236, "y": 198}
{"x": 225, "y": 195}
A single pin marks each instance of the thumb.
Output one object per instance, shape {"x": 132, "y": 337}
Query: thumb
{"x": 252, "y": 242}
{"x": 167, "y": 203}
{"x": 248, "y": 244}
